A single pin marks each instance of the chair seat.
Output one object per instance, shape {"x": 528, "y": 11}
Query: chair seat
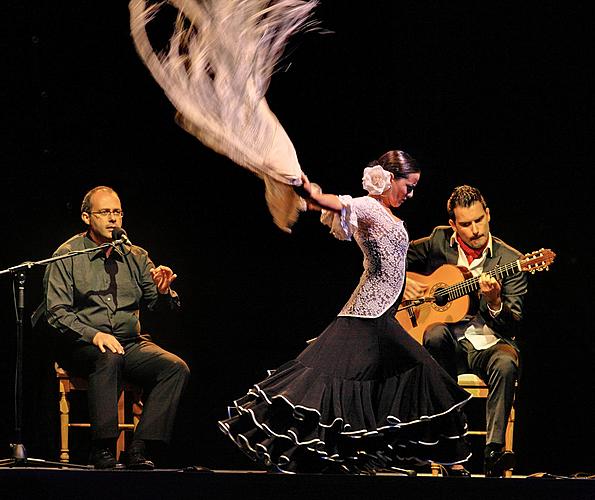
{"x": 473, "y": 385}
{"x": 470, "y": 379}
{"x": 79, "y": 383}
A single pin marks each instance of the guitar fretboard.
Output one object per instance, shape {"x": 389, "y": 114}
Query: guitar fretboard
{"x": 472, "y": 284}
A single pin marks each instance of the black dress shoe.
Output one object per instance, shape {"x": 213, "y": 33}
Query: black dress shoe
{"x": 496, "y": 462}
{"x": 103, "y": 459}
{"x": 458, "y": 472}
{"x": 135, "y": 460}
{"x": 197, "y": 468}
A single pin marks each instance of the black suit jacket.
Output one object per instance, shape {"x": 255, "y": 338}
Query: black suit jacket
{"x": 425, "y": 255}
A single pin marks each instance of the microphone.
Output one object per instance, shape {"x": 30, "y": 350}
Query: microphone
{"x": 118, "y": 233}
{"x": 424, "y": 300}
{"x": 408, "y": 304}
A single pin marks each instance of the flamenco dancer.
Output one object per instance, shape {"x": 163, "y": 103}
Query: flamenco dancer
{"x": 364, "y": 396}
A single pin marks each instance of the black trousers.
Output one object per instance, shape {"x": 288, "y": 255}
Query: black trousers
{"x": 161, "y": 374}
{"x": 497, "y": 366}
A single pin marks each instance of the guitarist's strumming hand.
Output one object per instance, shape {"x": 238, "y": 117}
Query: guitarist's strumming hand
{"x": 490, "y": 289}
{"x": 414, "y": 289}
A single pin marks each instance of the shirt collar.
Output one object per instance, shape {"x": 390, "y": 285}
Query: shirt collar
{"x": 89, "y": 243}
{"x": 487, "y": 250}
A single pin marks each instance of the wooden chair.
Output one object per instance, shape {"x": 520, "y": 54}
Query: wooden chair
{"x": 478, "y": 389}
{"x": 67, "y": 384}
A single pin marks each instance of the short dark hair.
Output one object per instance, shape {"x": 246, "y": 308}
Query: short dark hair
{"x": 463, "y": 196}
{"x": 399, "y": 163}
{"x": 86, "y": 204}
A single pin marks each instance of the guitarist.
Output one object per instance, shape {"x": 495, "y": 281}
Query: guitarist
{"x": 482, "y": 343}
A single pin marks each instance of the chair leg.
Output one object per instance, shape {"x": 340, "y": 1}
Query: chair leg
{"x": 121, "y": 443}
{"x": 64, "y": 426}
{"x": 509, "y": 437}
{"x": 65, "y": 388}
{"x": 137, "y": 409}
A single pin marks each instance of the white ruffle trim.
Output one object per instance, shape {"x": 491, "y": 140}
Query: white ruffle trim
{"x": 317, "y": 445}
{"x": 344, "y": 223}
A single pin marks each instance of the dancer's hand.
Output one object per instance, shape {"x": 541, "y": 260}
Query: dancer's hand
{"x": 308, "y": 191}
{"x": 315, "y": 199}
{"x": 306, "y": 185}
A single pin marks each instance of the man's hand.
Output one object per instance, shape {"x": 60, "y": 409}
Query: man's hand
{"x": 414, "y": 289}
{"x": 490, "y": 288}
{"x": 163, "y": 277}
{"x": 105, "y": 340}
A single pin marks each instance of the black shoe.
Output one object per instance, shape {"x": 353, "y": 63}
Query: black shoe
{"x": 102, "y": 458}
{"x": 197, "y": 468}
{"x": 496, "y": 462}
{"x": 135, "y": 460}
{"x": 458, "y": 472}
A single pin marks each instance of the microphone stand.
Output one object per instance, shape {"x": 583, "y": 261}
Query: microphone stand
{"x": 19, "y": 454}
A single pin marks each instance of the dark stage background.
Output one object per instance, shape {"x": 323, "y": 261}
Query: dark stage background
{"x": 491, "y": 94}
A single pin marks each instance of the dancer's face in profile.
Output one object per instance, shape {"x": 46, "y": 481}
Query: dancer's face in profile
{"x": 402, "y": 189}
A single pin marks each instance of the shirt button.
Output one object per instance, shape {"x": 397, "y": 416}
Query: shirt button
{"x": 109, "y": 298}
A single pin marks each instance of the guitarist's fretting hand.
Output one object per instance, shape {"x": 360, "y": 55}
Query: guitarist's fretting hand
{"x": 414, "y": 289}
{"x": 490, "y": 288}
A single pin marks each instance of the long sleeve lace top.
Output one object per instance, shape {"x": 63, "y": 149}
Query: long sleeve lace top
{"x": 383, "y": 240}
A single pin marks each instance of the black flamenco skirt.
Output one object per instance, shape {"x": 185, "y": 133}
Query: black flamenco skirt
{"x": 363, "y": 396}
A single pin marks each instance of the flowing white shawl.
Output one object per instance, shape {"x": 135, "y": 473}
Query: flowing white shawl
{"x": 216, "y": 71}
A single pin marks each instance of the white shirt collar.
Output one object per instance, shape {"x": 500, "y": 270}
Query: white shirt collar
{"x": 486, "y": 250}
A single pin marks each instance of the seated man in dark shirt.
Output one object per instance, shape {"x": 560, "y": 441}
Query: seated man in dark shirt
{"x": 93, "y": 301}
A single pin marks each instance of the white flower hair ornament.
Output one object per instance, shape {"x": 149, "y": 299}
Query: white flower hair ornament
{"x": 376, "y": 180}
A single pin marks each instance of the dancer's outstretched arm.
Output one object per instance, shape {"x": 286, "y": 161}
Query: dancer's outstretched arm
{"x": 316, "y": 199}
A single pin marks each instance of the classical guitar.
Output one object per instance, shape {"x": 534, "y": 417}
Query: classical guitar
{"x": 449, "y": 286}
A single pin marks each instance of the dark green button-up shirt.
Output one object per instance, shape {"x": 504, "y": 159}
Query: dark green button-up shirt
{"x": 91, "y": 292}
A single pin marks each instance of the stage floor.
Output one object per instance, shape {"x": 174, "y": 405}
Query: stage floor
{"x": 65, "y": 484}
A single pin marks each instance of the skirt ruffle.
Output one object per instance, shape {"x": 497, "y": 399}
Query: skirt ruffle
{"x": 353, "y": 402}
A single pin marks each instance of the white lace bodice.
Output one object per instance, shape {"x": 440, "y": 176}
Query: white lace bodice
{"x": 383, "y": 241}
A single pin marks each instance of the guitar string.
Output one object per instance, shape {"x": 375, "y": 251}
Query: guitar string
{"x": 471, "y": 284}
{"x": 460, "y": 289}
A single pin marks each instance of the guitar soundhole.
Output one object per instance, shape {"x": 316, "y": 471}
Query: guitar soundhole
{"x": 441, "y": 303}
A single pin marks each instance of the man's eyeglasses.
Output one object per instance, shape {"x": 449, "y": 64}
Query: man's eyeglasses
{"x": 106, "y": 212}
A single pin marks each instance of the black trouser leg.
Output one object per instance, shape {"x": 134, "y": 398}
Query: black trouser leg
{"x": 443, "y": 347}
{"x": 104, "y": 373}
{"x": 497, "y": 366}
{"x": 163, "y": 376}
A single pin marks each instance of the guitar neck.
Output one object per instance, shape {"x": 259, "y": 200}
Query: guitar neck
{"x": 463, "y": 288}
